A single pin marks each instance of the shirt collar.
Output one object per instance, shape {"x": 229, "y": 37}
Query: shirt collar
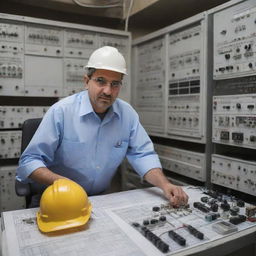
{"x": 86, "y": 106}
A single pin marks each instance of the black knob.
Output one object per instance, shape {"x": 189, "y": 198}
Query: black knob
{"x": 238, "y": 105}
{"x": 252, "y": 138}
{"x": 227, "y": 56}
{"x": 156, "y": 208}
{"x": 162, "y": 218}
{"x": 240, "y": 203}
{"x": 145, "y": 222}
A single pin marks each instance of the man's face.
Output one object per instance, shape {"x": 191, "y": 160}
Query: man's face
{"x": 102, "y": 94}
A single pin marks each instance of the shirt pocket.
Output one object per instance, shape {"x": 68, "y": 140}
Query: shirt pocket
{"x": 74, "y": 154}
{"x": 118, "y": 153}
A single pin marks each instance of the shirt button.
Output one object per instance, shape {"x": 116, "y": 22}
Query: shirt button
{"x": 98, "y": 167}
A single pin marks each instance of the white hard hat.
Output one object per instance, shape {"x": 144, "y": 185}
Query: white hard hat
{"x": 108, "y": 58}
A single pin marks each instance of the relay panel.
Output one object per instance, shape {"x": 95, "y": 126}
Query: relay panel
{"x": 170, "y": 80}
{"x": 12, "y": 117}
{"x": 234, "y": 173}
{"x": 43, "y": 41}
{"x": 35, "y": 52}
{"x": 116, "y": 41}
{"x": 150, "y": 90}
{"x": 11, "y": 60}
{"x": 10, "y": 144}
{"x": 234, "y": 120}
{"x": 184, "y": 116}
{"x": 8, "y": 198}
{"x": 235, "y": 41}
{"x": 187, "y": 163}
{"x": 238, "y": 85}
{"x": 79, "y": 44}
{"x": 185, "y": 85}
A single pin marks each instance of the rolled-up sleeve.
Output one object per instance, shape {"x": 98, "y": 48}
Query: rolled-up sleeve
{"x": 41, "y": 149}
{"x": 140, "y": 153}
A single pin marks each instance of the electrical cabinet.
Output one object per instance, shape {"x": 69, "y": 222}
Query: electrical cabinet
{"x": 234, "y": 116}
{"x": 187, "y": 163}
{"x": 170, "y": 80}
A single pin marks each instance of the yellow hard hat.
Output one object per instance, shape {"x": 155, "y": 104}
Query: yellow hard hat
{"x": 63, "y": 205}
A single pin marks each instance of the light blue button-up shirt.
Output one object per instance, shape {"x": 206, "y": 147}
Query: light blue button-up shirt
{"x": 74, "y": 142}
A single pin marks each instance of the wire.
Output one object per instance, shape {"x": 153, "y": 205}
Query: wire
{"x": 97, "y": 6}
{"x": 128, "y": 15}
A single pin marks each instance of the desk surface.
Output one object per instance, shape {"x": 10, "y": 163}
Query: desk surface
{"x": 109, "y": 231}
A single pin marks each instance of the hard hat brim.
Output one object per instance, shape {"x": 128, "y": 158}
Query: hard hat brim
{"x": 52, "y": 226}
{"x": 106, "y": 68}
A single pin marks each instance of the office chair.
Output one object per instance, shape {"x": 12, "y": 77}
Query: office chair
{"x": 31, "y": 189}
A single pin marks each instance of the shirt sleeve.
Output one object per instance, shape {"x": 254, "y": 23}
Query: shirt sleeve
{"x": 140, "y": 153}
{"x": 40, "y": 151}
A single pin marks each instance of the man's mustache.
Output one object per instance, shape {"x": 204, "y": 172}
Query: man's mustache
{"x": 105, "y": 96}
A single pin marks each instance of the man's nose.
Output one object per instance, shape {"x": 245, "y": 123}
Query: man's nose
{"x": 108, "y": 89}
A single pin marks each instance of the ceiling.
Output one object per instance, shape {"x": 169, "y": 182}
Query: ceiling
{"x": 166, "y": 12}
{"x": 159, "y": 14}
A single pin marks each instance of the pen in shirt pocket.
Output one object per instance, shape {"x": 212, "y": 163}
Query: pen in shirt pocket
{"x": 118, "y": 144}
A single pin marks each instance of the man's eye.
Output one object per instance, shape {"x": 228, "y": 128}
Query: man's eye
{"x": 116, "y": 83}
{"x": 101, "y": 80}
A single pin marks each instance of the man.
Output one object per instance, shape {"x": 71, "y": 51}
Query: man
{"x": 85, "y": 137}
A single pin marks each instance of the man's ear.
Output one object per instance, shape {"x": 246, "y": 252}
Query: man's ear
{"x": 86, "y": 81}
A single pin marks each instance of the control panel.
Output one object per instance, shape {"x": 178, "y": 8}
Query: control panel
{"x": 116, "y": 41}
{"x": 234, "y": 173}
{"x": 238, "y": 85}
{"x": 184, "y": 61}
{"x": 235, "y": 41}
{"x": 184, "y": 116}
{"x": 10, "y": 144}
{"x": 43, "y": 61}
{"x": 187, "y": 163}
{"x": 234, "y": 120}
{"x": 150, "y": 90}
{"x": 8, "y": 198}
{"x": 43, "y": 40}
{"x": 11, "y": 60}
{"x": 184, "y": 86}
{"x": 12, "y": 117}
{"x": 79, "y": 44}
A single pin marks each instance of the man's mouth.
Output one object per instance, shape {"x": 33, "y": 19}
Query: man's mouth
{"x": 104, "y": 98}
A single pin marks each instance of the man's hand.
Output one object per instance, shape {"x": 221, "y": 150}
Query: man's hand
{"x": 175, "y": 194}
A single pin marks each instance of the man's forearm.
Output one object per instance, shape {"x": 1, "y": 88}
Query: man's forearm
{"x": 156, "y": 177}
{"x": 44, "y": 176}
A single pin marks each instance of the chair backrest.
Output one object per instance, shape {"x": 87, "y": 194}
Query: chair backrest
{"x": 28, "y": 130}
{"x": 28, "y": 190}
